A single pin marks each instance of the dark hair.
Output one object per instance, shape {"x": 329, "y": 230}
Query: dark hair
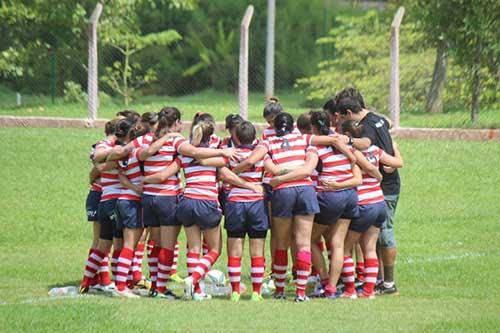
{"x": 166, "y": 119}
{"x": 201, "y": 133}
{"x": 304, "y": 122}
{"x": 233, "y": 120}
{"x": 199, "y": 117}
{"x": 330, "y": 106}
{"x": 349, "y": 103}
{"x": 283, "y": 124}
{"x": 272, "y": 108}
{"x": 123, "y": 128}
{"x": 147, "y": 121}
{"x": 245, "y": 132}
{"x": 110, "y": 127}
{"x": 352, "y": 93}
{"x": 130, "y": 114}
{"x": 353, "y": 127}
{"x": 321, "y": 121}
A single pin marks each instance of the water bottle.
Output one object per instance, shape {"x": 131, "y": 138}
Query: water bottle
{"x": 70, "y": 291}
{"x": 217, "y": 290}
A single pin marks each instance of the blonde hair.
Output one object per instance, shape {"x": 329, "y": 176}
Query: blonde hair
{"x": 201, "y": 132}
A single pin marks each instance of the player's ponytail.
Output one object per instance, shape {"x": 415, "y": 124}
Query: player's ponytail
{"x": 272, "y": 108}
{"x": 201, "y": 133}
{"x": 321, "y": 121}
{"x": 283, "y": 124}
{"x": 124, "y": 127}
{"x": 167, "y": 117}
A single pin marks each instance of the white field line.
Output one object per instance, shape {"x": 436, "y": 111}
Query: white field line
{"x": 410, "y": 260}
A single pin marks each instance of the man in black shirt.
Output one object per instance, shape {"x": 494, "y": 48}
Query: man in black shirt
{"x": 376, "y": 132}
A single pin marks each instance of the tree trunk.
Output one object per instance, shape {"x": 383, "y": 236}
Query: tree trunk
{"x": 476, "y": 85}
{"x": 435, "y": 98}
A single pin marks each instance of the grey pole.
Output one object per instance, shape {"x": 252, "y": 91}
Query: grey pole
{"x": 271, "y": 17}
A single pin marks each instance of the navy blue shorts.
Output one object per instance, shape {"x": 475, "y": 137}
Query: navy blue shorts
{"x": 268, "y": 192}
{"x": 337, "y": 204}
{"x": 374, "y": 214}
{"x": 92, "y": 205}
{"x": 206, "y": 214}
{"x": 107, "y": 219}
{"x": 159, "y": 210}
{"x": 246, "y": 218}
{"x": 297, "y": 200}
{"x": 129, "y": 214}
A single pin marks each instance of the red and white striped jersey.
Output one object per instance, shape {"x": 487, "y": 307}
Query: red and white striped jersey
{"x": 201, "y": 181}
{"x": 227, "y": 142}
{"x": 253, "y": 175}
{"x": 110, "y": 183}
{"x": 96, "y": 185}
{"x": 288, "y": 151}
{"x": 270, "y": 132}
{"x": 130, "y": 167}
{"x": 370, "y": 192}
{"x": 314, "y": 178}
{"x": 335, "y": 166}
{"x": 143, "y": 141}
{"x": 159, "y": 162}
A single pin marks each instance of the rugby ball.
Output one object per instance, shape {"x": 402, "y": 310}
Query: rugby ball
{"x": 216, "y": 277}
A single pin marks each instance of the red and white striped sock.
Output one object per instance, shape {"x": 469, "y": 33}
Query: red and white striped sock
{"x": 92, "y": 266}
{"x": 371, "y": 272}
{"x": 234, "y": 271}
{"x": 123, "y": 268}
{"x": 149, "y": 246}
{"x": 348, "y": 275}
{"x": 153, "y": 265}
{"x": 257, "y": 273}
{"x": 96, "y": 279}
{"x": 114, "y": 262}
{"x": 174, "y": 262}
{"x": 137, "y": 262}
{"x": 280, "y": 266}
{"x": 165, "y": 258}
{"x": 303, "y": 269}
{"x": 104, "y": 272}
{"x": 192, "y": 260}
{"x": 360, "y": 270}
{"x": 204, "y": 265}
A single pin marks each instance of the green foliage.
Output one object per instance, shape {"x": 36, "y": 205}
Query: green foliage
{"x": 73, "y": 93}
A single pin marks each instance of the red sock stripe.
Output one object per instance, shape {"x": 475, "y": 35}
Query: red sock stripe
{"x": 176, "y": 256}
{"x": 234, "y": 271}
{"x": 204, "y": 265}
{"x": 348, "y": 275}
{"x": 257, "y": 273}
{"x": 165, "y": 258}
{"x": 303, "y": 269}
{"x": 150, "y": 246}
{"x": 153, "y": 265}
{"x": 280, "y": 266}
{"x": 371, "y": 272}
{"x": 193, "y": 259}
{"x": 123, "y": 267}
{"x": 360, "y": 270}
{"x": 92, "y": 266}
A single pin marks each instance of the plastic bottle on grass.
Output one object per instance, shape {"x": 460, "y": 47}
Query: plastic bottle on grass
{"x": 70, "y": 291}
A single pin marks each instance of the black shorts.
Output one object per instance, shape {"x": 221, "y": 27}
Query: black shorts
{"x": 92, "y": 205}
{"x": 246, "y": 218}
{"x": 107, "y": 220}
{"x": 334, "y": 205}
{"x": 129, "y": 214}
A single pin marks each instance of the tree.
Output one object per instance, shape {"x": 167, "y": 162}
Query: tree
{"x": 120, "y": 29}
{"x": 472, "y": 32}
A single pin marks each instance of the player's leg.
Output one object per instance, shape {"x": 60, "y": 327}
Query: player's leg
{"x": 368, "y": 243}
{"x": 338, "y": 234}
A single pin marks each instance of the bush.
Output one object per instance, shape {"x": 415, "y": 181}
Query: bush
{"x": 73, "y": 93}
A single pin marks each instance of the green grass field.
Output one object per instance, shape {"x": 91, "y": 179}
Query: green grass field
{"x": 221, "y": 104}
{"x": 447, "y": 228}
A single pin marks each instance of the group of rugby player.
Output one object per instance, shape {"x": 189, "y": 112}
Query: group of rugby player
{"x": 329, "y": 181}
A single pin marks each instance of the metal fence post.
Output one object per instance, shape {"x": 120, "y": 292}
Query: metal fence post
{"x": 92, "y": 86}
{"x": 394, "y": 99}
{"x": 243, "y": 70}
{"x": 271, "y": 15}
